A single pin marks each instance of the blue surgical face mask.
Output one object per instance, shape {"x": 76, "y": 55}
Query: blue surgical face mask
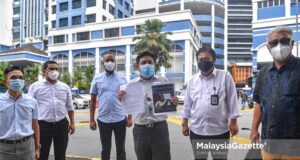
{"x": 147, "y": 70}
{"x": 16, "y": 84}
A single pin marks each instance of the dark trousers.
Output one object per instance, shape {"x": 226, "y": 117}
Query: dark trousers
{"x": 58, "y": 132}
{"x": 119, "y": 129}
{"x": 152, "y": 143}
{"x": 201, "y": 154}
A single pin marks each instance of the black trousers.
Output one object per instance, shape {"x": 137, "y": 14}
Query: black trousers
{"x": 119, "y": 129}
{"x": 58, "y": 132}
{"x": 202, "y": 154}
{"x": 152, "y": 143}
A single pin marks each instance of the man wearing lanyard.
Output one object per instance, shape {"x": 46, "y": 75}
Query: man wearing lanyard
{"x": 18, "y": 120}
{"x": 211, "y": 104}
{"x": 111, "y": 117}
{"x": 55, "y": 102}
{"x": 150, "y": 132}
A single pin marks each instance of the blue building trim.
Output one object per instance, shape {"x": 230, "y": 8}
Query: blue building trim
{"x": 167, "y": 2}
{"x": 180, "y": 43}
{"x": 206, "y": 39}
{"x": 4, "y": 48}
{"x": 96, "y": 34}
{"x": 254, "y": 61}
{"x": 53, "y": 54}
{"x": 205, "y": 29}
{"x": 293, "y": 9}
{"x": 219, "y": 40}
{"x": 127, "y": 31}
{"x": 219, "y": 51}
{"x": 178, "y": 25}
{"x": 23, "y": 56}
{"x": 219, "y": 30}
{"x": 89, "y": 50}
{"x": 105, "y": 49}
{"x": 219, "y": 61}
{"x": 270, "y": 12}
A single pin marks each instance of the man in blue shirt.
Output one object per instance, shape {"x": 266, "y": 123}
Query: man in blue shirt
{"x": 277, "y": 97}
{"x": 111, "y": 114}
{"x": 18, "y": 120}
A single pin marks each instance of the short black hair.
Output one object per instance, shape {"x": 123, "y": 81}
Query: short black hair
{"x": 45, "y": 65}
{"x": 143, "y": 54}
{"x": 206, "y": 49}
{"x": 10, "y": 69}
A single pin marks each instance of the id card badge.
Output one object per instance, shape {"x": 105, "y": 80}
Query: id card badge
{"x": 214, "y": 100}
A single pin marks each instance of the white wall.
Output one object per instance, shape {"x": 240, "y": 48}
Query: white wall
{"x": 6, "y": 11}
{"x": 142, "y": 4}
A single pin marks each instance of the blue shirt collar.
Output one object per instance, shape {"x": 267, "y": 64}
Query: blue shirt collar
{"x": 8, "y": 96}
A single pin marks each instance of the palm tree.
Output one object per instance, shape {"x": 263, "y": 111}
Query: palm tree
{"x": 3, "y": 65}
{"x": 154, "y": 41}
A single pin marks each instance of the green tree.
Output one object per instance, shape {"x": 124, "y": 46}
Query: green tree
{"x": 89, "y": 75}
{"x": 154, "y": 41}
{"x": 78, "y": 79}
{"x": 31, "y": 73}
{"x": 65, "y": 77}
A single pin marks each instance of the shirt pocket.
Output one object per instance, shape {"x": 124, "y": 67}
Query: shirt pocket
{"x": 25, "y": 114}
{"x": 293, "y": 88}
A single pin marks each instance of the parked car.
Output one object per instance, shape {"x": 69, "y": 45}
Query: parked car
{"x": 80, "y": 102}
{"x": 180, "y": 95}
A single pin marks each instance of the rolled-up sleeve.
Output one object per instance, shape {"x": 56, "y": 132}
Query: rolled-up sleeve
{"x": 69, "y": 104}
{"x": 35, "y": 113}
{"x": 231, "y": 98}
{"x": 186, "y": 113}
{"x": 256, "y": 89}
{"x": 94, "y": 89}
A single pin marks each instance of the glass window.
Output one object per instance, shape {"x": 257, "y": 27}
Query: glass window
{"x": 281, "y": 2}
{"x": 111, "y": 9}
{"x": 53, "y": 24}
{"x": 76, "y": 4}
{"x": 16, "y": 35}
{"x": 90, "y": 3}
{"x": 83, "y": 36}
{"x": 16, "y": 10}
{"x": 54, "y": 9}
{"x": 265, "y": 3}
{"x": 16, "y": 23}
{"x": 127, "y": 6}
{"x": 90, "y": 18}
{"x": 104, "y": 4}
{"x": 46, "y": 16}
{"x": 120, "y": 14}
{"x": 104, "y": 18}
{"x": 76, "y": 20}
{"x": 63, "y": 22}
{"x": 120, "y": 2}
{"x": 271, "y": 3}
{"x": 59, "y": 39}
{"x": 112, "y": 32}
{"x": 276, "y": 2}
{"x": 63, "y": 6}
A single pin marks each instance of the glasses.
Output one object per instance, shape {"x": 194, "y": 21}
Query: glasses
{"x": 284, "y": 41}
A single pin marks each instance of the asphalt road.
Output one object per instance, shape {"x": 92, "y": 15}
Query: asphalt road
{"x": 85, "y": 143}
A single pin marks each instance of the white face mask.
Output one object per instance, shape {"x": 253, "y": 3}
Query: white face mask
{"x": 109, "y": 66}
{"x": 53, "y": 75}
{"x": 280, "y": 52}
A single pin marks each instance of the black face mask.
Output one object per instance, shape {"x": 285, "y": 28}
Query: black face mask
{"x": 205, "y": 66}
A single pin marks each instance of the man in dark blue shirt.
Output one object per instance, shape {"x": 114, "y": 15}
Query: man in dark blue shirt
{"x": 277, "y": 97}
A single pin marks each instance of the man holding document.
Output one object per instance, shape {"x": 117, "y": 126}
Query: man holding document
{"x": 150, "y": 132}
{"x": 111, "y": 114}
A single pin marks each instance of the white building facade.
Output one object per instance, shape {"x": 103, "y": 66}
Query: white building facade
{"x": 81, "y": 46}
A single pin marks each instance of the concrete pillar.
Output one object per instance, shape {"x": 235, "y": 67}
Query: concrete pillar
{"x": 187, "y": 62}
{"x": 70, "y": 62}
{"x": 127, "y": 64}
{"x": 97, "y": 62}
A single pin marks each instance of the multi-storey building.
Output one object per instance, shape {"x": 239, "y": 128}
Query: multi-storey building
{"x": 266, "y": 15}
{"x": 83, "y": 45}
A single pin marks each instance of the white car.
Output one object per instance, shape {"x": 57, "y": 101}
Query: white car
{"x": 80, "y": 102}
{"x": 180, "y": 95}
